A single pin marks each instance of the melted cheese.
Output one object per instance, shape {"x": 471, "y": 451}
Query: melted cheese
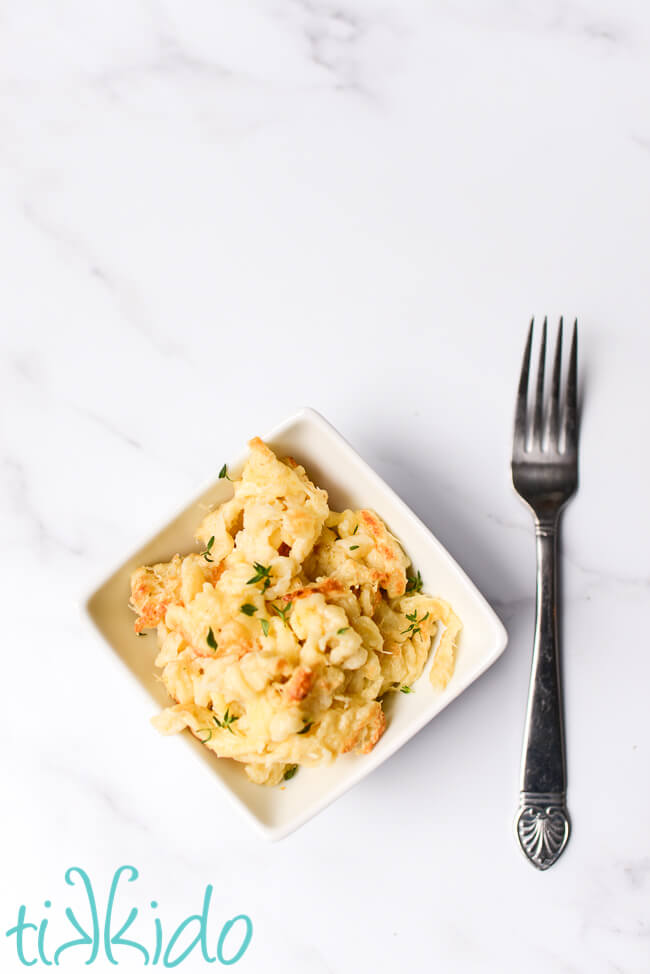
{"x": 279, "y": 645}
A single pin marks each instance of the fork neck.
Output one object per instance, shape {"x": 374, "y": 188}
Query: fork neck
{"x": 546, "y": 527}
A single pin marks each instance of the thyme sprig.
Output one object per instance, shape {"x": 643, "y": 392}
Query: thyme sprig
{"x": 262, "y": 572}
{"x": 208, "y": 548}
{"x": 414, "y": 584}
{"x": 415, "y": 622}
{"x": 226, "y": 721}
{"x": 282, "y": 612}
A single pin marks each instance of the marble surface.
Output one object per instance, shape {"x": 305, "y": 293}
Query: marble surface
{"x": 214, "y": 213}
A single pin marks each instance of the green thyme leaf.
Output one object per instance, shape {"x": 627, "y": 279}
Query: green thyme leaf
{"x": 265, "y": 626}
{"x": 223, "y": 473}
{"x": 415, "y": 622}
{"x": 282, "y": 612}
{"x": 226, "y": 721}
{"x": 355, "y": 529}
{"x": 306, "y": 727}
{"x": 229, "y": 718}
{"x": 248, "y": 609}
{"x": 207, "y": 731}
{"x": 412, "y": 630}
{"x": 210, "y": 640}
{"x": 406, "y": 690}
{"x": 339, "y": 632}
{"x": 289, "y": 773}
{"x": 208, "y": 548}
{"x": 353, "y": 547}
{"x": 261, "y": 572}
{"x": 414, "y": 584}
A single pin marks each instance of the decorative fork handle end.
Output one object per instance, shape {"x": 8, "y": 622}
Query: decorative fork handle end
{"x": 542, "y": 826}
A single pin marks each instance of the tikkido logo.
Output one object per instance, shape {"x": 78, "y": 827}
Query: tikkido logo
{"x": 34, "y": 942}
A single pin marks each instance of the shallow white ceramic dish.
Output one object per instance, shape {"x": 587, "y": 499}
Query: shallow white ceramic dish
{"x": 333, "y": 464}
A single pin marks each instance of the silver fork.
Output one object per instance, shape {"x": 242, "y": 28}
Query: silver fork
{"x": 545, "y": 475}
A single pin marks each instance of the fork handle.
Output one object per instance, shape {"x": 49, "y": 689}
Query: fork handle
{"x": 542, "y": 822}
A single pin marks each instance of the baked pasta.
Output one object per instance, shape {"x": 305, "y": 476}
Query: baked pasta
{"x": 280, "y": 639}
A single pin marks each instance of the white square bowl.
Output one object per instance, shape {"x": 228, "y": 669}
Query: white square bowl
{"x": 331, "y": 463}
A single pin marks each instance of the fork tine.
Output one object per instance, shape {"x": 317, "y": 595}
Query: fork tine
{"x": 519, "y": 440}
{"x": 539, "y": 397}
{"x": 571, "y": 405}
{"x": 554, "y": 410}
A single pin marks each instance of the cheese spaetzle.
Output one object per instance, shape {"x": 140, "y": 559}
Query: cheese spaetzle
{"x": 279, "y": 640}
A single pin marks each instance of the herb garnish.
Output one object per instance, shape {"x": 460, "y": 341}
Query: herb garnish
{"x": 353, "y": 547}
{"x": 207, "y": 731}
{"x": 415, "y": 622}
{"x": 406, "y": 690}
{"x": 414, "y": 584}
{"x": 261, "y": 572}
{"x": 226, "y": 721}
{"x": 210, "y": 640}
{"x": 340, "y": 632}
{"x": 306, "y": 727}
{"x": 265, "y": 626}
{"x": 283, "y": 612}
{"x": 249, "y": 609}
{"x": 208, "y": 548}
{"x": 355, "y": 529}
{"x": 289, "y": 773}
{"x": 223, "y": 473}
{"x": 141, "y": 634}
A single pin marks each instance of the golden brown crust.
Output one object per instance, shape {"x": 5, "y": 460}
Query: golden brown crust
{"x": 300, "y": 684}
{"x": 258, "y": 444}
{"x": 365, "y": 737}
{"x": 376, "y": 729}
{"x": 326, "y": 586}
{"x": 393, "y": 576}
{"x": 153, "y": 590}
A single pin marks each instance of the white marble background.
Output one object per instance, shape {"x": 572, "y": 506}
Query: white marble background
{"x": 216, "y": 212}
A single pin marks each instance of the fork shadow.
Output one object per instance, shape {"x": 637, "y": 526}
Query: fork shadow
{"x": 498, "y": 696}
{"x": 442, "y": 512}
